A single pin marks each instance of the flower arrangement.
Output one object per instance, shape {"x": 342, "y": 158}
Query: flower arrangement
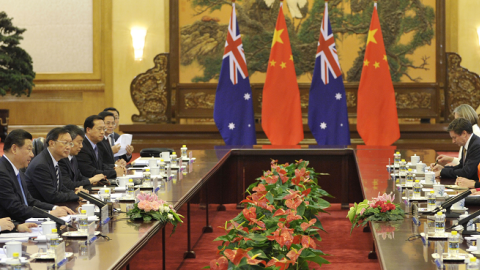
{"x": 151, "y": 207}
{"x": 279, "y": 226}
{"x": 381, "y": 208}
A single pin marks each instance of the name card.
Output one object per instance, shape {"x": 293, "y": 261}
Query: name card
{"x": 169, "y": 171}
{"x": 91, "y": 233}
{"x": 180, "y": 175}
{"x": 104, "y": 214}
{"x": 137, "y": 191}
{"x": 60, "y": 254}
{"x": 155, "y": 184}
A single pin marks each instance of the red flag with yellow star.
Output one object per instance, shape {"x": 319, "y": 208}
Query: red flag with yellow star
{"x": 377, "y": 119}
{"x": 281, "y": 111}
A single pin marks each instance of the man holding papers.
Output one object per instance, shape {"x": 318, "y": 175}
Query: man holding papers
{"x": 16, "y": 200}
{"x": 113, "y": 137}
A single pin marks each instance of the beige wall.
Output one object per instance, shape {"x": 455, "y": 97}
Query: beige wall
{"x": 149, "y": 14}
{"x": 462, "y": 38}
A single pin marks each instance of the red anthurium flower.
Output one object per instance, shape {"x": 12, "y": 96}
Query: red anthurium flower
{"x": 282, "y": 235}
{"x": 219, "y": 264}
{"x": 293, "y": 203}
{"x": 293, "y": 216}
{"x": 305, "y": 225}
{"x": 297, "y": 180}
{"x": 306, "y": 192}
{"x": 300, "y": 172}
{"x": 260, "y": 188}
{"x": 235, "y": 256}
{"x": 272, "y": 179}
{"x": 280, "y": 212}
{"x": 252, "y": 261}
{"x": 291, "y": 195}
{"x": 249, "y": 213}
{"x": 261, "y": 224}
{"x": 297, "y": 239}
{"x": 281, "y": 170}
{"x": 308, "y": 242}
{"x": 294, "y": 254}
{"x": 283, "y": 264}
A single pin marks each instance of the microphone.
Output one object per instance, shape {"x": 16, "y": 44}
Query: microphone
{"x": 44, "y": 214}
{"x": 464, "y": 221}
{"x": 448, "y": 203}
{"x": 91, "y": 199}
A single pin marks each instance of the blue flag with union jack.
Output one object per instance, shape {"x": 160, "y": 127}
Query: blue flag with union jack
{"x": 327, "y": 105}
{"x": 233, "y": 111}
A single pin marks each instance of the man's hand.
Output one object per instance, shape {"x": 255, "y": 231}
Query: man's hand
{"x": 437, "y": 168}
{"x": 61, "y": 211}
{"x": 116, "y": 148}
{"x": 464, "y": 182}
{"x": 25, "y": 227}
{"x": 121, "y": 171}
{"x": 121, "y": 162}
{"x": 129, "y": 149}
{"x": 437, "y": 174}
{"x": 6, "y": 224}
{"x": 96, "y": 178}
{"x": 80, "y": 188}
{"x": 444, "y": 160}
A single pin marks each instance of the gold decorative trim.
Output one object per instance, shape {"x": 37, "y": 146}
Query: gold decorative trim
{"x": 97, "y": 87}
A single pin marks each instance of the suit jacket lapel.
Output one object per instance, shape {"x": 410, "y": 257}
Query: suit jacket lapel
{"x": 49, "y": 160}
{"x": 13, "y": 177}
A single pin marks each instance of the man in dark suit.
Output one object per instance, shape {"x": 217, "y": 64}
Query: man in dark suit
{"x": 16, "y": 201}
{"x": 113, "y": 136}
{"x": 89, "y": 158}
{"x": 462, "y": 135}
{"x": 72, "y": 177}
{"x": 106, "y": 145}
{"x": 44, "y": 179}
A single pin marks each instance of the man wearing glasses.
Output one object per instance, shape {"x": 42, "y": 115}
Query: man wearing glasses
{"x": 90, "y": 161}
{"x": 107, "y": 144}
{"x": 43, "y": 175}
{"x": 112, "y": 136}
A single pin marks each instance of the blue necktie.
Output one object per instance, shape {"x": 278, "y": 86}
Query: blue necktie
{"x": 96, "y": 151}
{"x": 21, "y": 188}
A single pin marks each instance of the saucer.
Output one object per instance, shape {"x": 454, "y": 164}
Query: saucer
{"x": 471, "y": 249}
{"x": 415, "y": 199}
{"x": 459, "y": 210}
{"x": 77, "y": 234}
{"x": 460, "y": 257}
{"x": 48, "y": 256}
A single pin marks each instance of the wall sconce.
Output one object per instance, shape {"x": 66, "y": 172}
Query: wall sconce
{"x": 478, "y": 33}
{"x": 138, "y": 38}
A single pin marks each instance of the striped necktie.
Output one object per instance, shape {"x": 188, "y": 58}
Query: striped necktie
{"x": 58, "y": 177}
{"x": 111, "y": 139}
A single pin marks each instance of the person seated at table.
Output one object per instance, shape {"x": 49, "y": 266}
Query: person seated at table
{"x": 461, "y": 132}
{"x": 128, "y": 156}
{"x": 43, "y": 176}
{"x": 72, "y": 177}
{"x": 16, "y": 202}
{"x": 6, "y": 225}
{"x": 106, "y": 145}
{"x": 89, "y": 158}
{"x": 463, "y": 111}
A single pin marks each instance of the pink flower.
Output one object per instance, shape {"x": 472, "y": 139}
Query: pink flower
{"x": 148, "y": 207}
{"x": 155, "y": 205}
{"x": 362, "y": 211}
{"x": 142, "y": 204}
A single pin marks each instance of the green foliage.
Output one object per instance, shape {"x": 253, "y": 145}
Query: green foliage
{"x": 16, "y": 70}
{"x": 279, "y": 224}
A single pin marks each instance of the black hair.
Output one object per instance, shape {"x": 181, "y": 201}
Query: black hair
{"x": 54, "y": 134}
{"x": 75, "y": 131}
{"x": 89, "y": 122}
{"x": 18, "y": 137}
{"x": 112, "y": 109}
{"x": 105, "y": 114}
{"x": 459, "y": 125}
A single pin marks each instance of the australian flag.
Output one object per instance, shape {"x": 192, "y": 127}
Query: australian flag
{"x": 327, "y": 106}
{"x": 233, "y": 111}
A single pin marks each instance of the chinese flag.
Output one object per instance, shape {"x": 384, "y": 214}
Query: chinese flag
{"x": 377, "y": 120}
{"x": 281, "y": 111}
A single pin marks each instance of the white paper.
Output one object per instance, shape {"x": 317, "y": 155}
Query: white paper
{"x": 123, "y": 140}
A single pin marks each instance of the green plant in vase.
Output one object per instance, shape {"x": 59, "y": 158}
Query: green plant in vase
{"x": 279, "y": 227}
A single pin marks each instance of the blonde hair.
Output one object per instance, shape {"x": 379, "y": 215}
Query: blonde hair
{"x": 466, "y": 111}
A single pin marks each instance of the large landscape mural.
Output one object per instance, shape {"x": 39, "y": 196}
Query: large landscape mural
{"x": 407, "y": 26}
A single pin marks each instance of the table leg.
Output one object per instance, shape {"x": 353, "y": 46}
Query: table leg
{"x": 163, "y": 249}
{"x": 221, "y": 207}
{"x": 373, "y": 254}
{"x": 189, "y": 254}
{"x": 208, "y": 228}
{"x": 367, "y": 228}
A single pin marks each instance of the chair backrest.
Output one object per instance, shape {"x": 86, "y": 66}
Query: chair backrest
{"x": 38, "y": 145}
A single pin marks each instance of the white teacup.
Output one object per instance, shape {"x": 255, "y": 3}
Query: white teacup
{"x": 166, "y": 155}
{"x": 421, "y": 167}
{"x": 459, "y": 205}
{"x": 429, "y": 178}
{"x": 90, "y": 208}
{"x": 11, "y": 247}
{"x": 102, "y": 190}
{"x": 414, "y": 159}
{"x": 152, "y": 163}
{"x": 439, "y": 190}
{"x": 47, "y": 227}
{"x": 154, "y": 170}
{"x": 122, "y": 181}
